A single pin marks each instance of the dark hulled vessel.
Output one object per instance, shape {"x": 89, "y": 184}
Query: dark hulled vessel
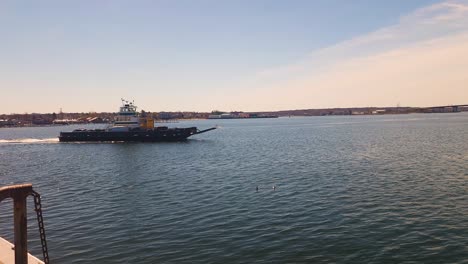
{"x": 128, "y": 126}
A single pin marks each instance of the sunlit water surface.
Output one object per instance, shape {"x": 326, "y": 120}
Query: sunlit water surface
{"x": 371, "y": 189}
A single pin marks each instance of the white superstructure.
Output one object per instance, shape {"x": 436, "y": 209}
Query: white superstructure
{"x": 127, "y": 117}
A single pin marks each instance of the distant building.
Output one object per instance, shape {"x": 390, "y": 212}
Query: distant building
{"x": 221, "y": 116}
{"x": 165, "y": 116}
{"x": 96, "y": 120}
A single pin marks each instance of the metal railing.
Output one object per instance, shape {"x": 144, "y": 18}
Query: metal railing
{"x": 19, "y": 193}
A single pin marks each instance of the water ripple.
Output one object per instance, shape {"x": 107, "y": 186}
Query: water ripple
{"x": 387, "y": 189}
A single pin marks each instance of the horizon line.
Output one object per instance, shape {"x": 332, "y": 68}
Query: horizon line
{"x": 262, "y": 111}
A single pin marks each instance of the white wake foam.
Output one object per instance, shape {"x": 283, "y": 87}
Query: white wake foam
{"x": 29, "y": 141}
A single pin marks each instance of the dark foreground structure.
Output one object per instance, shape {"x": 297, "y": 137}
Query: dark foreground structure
{"x": 18, "y": 254}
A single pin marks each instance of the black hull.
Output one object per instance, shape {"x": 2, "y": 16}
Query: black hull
{"x": 151, "y": 135}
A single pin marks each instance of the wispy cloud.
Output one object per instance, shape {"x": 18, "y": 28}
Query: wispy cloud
{"x": 421, "y": 60}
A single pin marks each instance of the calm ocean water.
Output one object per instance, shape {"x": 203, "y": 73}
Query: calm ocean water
{"x": 371, "y": 189}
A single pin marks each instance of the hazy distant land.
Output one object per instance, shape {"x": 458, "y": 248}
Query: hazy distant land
{"x": 40, "y": 119}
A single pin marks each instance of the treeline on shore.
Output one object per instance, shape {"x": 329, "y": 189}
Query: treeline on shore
{"x": 38, "y": 119}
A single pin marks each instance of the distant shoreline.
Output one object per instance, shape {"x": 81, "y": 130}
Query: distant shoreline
{"x": 22, "y": 123}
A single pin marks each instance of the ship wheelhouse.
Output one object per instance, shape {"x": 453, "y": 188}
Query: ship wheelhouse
{"x": 127, "y": 115}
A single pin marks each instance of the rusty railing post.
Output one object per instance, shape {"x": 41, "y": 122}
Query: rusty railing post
{"x": 19, "y": 193}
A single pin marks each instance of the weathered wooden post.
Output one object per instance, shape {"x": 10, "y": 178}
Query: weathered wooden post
{"x": 19, "y": 193}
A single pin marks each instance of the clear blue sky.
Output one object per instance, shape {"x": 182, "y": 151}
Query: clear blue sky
{"x": 171, "y": 55}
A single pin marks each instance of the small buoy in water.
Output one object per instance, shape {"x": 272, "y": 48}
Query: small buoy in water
{"x": 274, "y": 187}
